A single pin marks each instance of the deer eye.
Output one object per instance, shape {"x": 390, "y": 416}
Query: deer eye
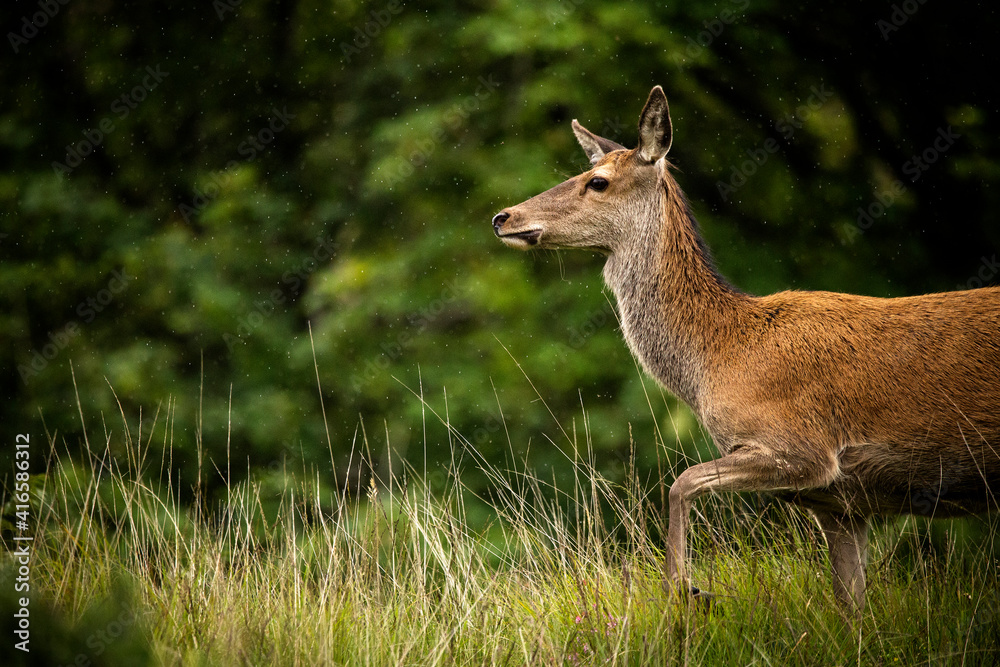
{"x": 598, "y": 184}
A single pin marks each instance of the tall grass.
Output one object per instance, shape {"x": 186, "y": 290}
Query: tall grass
{"x": 282, "y": 571}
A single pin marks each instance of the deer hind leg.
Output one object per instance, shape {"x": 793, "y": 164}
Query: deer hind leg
{"x": 746, "y": 469}
{"x": 847, "y": 538}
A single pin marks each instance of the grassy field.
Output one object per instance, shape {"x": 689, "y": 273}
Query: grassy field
{"x": 282, "y": 571}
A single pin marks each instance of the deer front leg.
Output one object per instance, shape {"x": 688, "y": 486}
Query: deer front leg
{"x": 746, "y": 469}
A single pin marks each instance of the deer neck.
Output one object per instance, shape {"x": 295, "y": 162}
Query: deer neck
{"x": 676, "y": 311}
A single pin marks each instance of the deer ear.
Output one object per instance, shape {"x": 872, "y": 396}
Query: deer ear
{"x": 594, "y": 146}
{"x": 655, "y": 130}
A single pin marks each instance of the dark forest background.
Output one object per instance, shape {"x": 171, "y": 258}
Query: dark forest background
{"x": 186, "y": 190}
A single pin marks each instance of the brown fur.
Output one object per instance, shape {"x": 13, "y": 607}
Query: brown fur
{"x": 848, "y": 405}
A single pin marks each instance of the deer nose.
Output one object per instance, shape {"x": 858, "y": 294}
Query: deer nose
{"x": 498, "y": 221}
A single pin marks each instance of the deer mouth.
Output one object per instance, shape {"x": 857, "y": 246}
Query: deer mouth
{"x": 528, "y": 237}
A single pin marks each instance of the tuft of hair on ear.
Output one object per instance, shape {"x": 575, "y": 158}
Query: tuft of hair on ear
{"x": 655, "y": 128}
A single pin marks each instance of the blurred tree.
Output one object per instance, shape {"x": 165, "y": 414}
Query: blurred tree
{"x": 187, "y": 189}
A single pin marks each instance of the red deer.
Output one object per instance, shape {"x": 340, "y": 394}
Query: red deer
{"x": 850, "y": 406}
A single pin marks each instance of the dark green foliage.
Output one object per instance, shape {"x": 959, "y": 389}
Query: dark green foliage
{"x": 252, "y": 168}
{"x": 109, "y": 632}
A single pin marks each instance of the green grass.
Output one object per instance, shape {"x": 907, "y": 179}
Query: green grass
{"x": 282, "y": 571}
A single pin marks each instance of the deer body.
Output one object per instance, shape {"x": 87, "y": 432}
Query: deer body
{"x": 848, "y": 405}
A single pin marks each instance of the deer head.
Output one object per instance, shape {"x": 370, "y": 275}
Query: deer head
{"x": 601, "y": 209}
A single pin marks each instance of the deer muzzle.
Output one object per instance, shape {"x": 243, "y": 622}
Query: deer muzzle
{"x": 524, "y": 238}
